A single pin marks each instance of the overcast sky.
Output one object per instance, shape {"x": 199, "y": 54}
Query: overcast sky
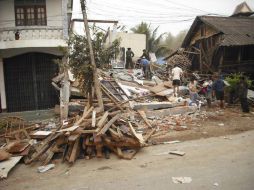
{"x": 170, "y": 15}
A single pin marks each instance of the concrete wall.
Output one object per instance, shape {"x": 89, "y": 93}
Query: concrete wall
{"x": 137, "y": 42}
{"x": 7, "y": 13}
{"x": 53, "y": 8}
{"x": 54, "y": 13}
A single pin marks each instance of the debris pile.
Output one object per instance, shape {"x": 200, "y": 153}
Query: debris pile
{"x": 181, "y": 59}
{"x": 135, "y": 110}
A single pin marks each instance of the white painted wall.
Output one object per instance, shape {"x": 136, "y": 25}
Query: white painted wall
{"x": 7, "y": 13}
{"x": 2, "y": 85}
{"x": 137, "y": 42}
{"x": 54, "y": 13}
{"x": 53, "y": 8}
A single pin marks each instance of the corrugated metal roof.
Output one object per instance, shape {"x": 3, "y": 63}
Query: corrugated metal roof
{"x": 236, "y": 30}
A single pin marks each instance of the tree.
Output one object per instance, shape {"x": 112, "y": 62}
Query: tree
{"x": 172, "y": 43}
{"x": 152, "y": 40}
{"x": 79, "y": 57}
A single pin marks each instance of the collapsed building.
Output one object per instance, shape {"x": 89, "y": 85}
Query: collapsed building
{"x": 222, "y": 44}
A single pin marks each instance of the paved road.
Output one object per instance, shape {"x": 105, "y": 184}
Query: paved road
{"x": 229, "y": 162}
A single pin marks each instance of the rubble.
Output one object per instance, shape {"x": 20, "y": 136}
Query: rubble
{"x": 134, "y": 112}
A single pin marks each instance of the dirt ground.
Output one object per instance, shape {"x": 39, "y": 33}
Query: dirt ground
{"x": 212, "y": 163}
{"x": 218, "y": 123}
{"x": 122, "y": 174}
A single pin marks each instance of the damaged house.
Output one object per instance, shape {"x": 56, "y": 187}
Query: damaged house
{"x": 224, "y": 44}
{"x": 31, "y": 32}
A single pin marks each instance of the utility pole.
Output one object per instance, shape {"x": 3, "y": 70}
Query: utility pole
{"x": 97, "y": 85}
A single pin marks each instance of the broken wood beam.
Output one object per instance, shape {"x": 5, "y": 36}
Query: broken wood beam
{"x": 143, "y": 115}
{"x": 102, "y": 121}
{"x": 106, "y": 127}
{"x": 113, "y": 100}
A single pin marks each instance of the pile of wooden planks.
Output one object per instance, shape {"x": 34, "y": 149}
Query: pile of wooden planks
{"x": 89, "y": 135}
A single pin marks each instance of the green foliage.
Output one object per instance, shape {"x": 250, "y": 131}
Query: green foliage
{"x": 79, "y": 57}
{"x": 234, "y": 80}
{"x": 152, "y": 38}
{"x": 172, "y": 43}
{"x": 161, "y": 45}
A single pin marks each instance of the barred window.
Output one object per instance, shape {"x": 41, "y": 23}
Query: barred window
{"x": 30, "y": 12}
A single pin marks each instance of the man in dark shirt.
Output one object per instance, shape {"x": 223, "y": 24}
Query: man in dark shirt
{"x": 129, "y": 55}
{"x": 218, "y": 90}
{"x": 145, "y": 55}
{"x": 242, "y": 92}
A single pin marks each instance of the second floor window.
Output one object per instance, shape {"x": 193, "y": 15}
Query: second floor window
{"x": 30, "y": 12}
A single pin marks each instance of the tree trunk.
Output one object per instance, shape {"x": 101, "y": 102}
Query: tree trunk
{"x": 97, "y": 85}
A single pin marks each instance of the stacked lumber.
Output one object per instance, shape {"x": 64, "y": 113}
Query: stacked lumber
{"x": 181, "y": 60}
{"x": 89, "y": 135}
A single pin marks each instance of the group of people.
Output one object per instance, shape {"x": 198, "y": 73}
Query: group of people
{"x": 144, "y": 62}
{"x": 212, "y": 87}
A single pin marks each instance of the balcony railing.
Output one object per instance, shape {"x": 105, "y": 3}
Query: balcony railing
{"x": 32, "y": 33}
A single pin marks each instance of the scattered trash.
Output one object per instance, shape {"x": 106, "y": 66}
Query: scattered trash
{"x": 182, "y": 179}
{"x": 42, "y": 169}
{"x": 171, "y": 142}
{"x": 216, "y": 184}
{"x": 7, "y": 165}
{"x": 178, "y": 153}
{"x": 221, "y": 124}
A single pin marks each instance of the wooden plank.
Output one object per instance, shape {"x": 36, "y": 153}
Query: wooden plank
{"x": 84, "y": 116}
{"x": 75, "y": 151}
{"x": 178, "y": 153}
{"x": 70, "y": 129}
{"x": 158, "y": 88}
{"x": 102, "y": 121}
{"x": 82, "y": 131}
{"x": 7, "y": 165}
{"x": 94, "y": 119}
{"x": 113, "y": 100}
{"x": 151, "y": 105}
{"x": 106, "y": 127}
{"x": 50, "y": 153}
{"x": 149, "y": 135}
{"x": 98, "y": 146}
{"x": 143, "y": 115}
{"x": 119, "y": 152}
{"x": 73, "y": 137}
{"x": 139, "y": 137}
{"x": 115, "y": 135}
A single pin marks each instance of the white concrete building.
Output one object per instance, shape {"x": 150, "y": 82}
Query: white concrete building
{"x": 31, "y": 32}
{"x": 137, "y": 42}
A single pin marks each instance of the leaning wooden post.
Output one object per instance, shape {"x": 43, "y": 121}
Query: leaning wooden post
{"x": 64, "y": 92}
{"x": 97, "y": 85}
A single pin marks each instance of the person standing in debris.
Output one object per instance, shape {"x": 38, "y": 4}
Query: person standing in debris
{"x": 177, "y": 73}
{"x": 193, "y": 90}
{"x": 218, "y": 90}
{"x": 129, "y": 56}
{"x": 145, "y": 55}
{"x": 208, "y": 92}
{"x": 145, "y": 67}
{"x": 242, "y": 92}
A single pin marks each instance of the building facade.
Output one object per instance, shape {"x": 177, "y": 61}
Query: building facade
{"x": 31, "y": 32}
{"x": 222, "y": 44}
{"x": 137, "y": 42}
